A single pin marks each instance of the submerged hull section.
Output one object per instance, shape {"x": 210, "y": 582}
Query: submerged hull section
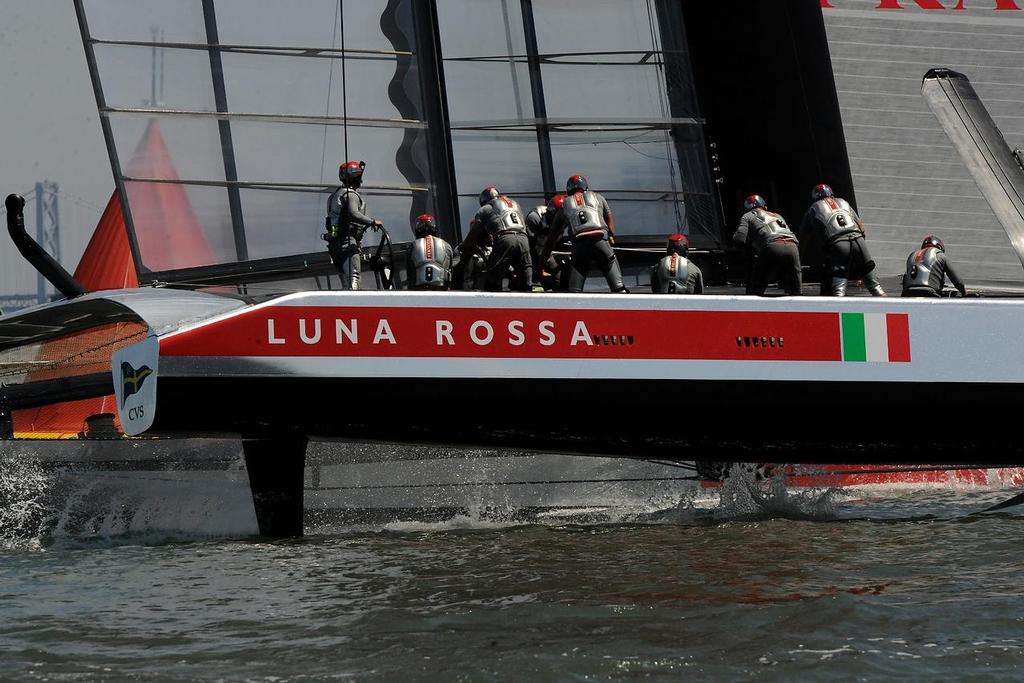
{"x": 189, "y": 488}
{"x": 201, "y": 487}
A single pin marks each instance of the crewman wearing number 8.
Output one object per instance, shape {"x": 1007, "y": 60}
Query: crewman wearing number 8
{"x": 429, "y": 262}
{"x": 585, "y": 214}
{"x": 834, "y": 219}
{"x": 502, "y": 219}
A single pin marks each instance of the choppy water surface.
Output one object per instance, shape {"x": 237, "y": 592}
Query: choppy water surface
{"x": 840, "y": 587}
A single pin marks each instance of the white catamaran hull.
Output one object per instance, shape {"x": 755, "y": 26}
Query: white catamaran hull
{"x": 641, "y": 376}
{"x": 713, "y": 379}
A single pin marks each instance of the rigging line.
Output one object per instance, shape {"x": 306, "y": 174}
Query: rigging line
{"x": 595, "y": 143}
{"x": 642, "y": 134}
{"x": 269, "y": 50}
{"x": 551, "y": 56}
{"x": 27, "y": 194}
{"x": 652, "y": 156}
{"x": 79, "y": 201}
{"x": 344, "y": 83}
{"x": 330, "y": 86}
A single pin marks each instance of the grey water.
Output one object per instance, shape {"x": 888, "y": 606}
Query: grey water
{"x": 770, "y": 585}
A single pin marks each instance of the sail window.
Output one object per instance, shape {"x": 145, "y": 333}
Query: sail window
{"x": 226, "y": 120}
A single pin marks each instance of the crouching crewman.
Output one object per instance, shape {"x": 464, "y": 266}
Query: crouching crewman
{"x": 927, "y": 270}
{"x": 676, "y": 274}
{"x": 428, "y": 265}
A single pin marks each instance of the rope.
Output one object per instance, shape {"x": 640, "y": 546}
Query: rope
{"x": 344, "y": 83}
{"x": 330, "y": 85}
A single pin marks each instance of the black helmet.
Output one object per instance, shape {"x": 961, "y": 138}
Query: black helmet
{"x": 754, "y": 201}
{"x": 678, "y": 244}
{"x": 933, "y": 241}
{"x": 425, "y": 225}
{"x": 350, "y": 173}
{"x": 489, "y": 194}
{"x": 577, "y": 183}
{"x": 821, "y": 191}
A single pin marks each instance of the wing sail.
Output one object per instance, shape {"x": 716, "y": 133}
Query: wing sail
{"x": 982, "y": 147}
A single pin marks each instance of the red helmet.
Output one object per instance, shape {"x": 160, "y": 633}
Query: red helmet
{"x": 821, "y": 191}
{"x": 577, "y": 183}
{"x": 678, "y": 244}
{"x": 351, "y": 172}
{"x": 754, "y": 201}
{"x": 933, "y": 241}
{"x": 488, "y": 194}
{"x": 425, "y": 225}
{"x": 556, "y": 202}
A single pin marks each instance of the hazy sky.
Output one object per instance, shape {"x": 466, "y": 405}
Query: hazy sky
{"x": 49, "y": 128}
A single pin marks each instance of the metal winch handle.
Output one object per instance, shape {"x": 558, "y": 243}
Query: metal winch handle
{"x": 385, "y": 279}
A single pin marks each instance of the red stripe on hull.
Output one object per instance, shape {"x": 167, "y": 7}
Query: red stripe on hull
{"x": 517, "y": 333}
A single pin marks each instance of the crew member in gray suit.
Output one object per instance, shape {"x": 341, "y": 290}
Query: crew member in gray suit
{"x": 778, "y": 257}
{"x": 346, "y": 222}
{"x": 502, "y": 219}
{"x": 927, "y": 269}
{"x": 538, "y": 225}
{"x": 843, "y": 229}
{"x": 675, "y": 273}
{"x": 429, "y": 261}
{"x": 591, "y": 228}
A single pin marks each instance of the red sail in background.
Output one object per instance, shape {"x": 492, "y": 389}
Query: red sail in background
{"x": 169, "y": 236}
{"x": 166, "y": 227}
{"x": 107, "y": 262}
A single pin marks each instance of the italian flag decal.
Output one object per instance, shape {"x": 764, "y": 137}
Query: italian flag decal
{"x": 875, "y": 337}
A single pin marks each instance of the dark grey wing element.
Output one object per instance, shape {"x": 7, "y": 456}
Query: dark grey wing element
{"x": 982, "y": 147}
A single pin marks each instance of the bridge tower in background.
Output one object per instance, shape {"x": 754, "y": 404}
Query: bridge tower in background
{"x": 47, "y": 229}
